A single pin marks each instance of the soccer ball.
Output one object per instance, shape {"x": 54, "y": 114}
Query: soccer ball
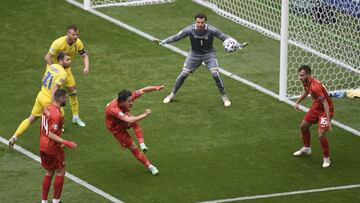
{"x": 230, "y": 45}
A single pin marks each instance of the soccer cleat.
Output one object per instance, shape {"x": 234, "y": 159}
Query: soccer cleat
{"x": 12, "y": 141}
{"x": 168, "y": 99}
{"x": 226, "y": 101}
{"x": 153, "y": 170}
{"x": 305, "y": 151}
{"x": 79, "y": 122}
{"x": 326, "y": 162}
{"x": 338, "y": 94}
{"x": 143, "y": 147}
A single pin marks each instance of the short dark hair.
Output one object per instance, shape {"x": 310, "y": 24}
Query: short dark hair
{"x": 306, "y": 68}
{"x": 123, "y": 95}
{"x": 58, "y": 94}
{"x": 73, "y": 27}
{"x": 201, "y": 16}
{"x": 61, "y": 55}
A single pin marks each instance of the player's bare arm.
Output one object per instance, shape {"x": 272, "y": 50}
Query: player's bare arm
{"x": 302, "y": 97}
{"x": 151, "y": 88}
{"x": 327, "y": 111}
{"x": 58, "y": 139}
{"x": 132, "y": 119}
{"x": 48, "y": 59}
{"x": 85, "y": 57}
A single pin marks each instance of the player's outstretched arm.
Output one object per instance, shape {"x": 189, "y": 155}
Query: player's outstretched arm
{"x": 151, "y": 88}
{"x": 132, "y": 119}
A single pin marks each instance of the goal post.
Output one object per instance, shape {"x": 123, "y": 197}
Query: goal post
{"x": 322, "y": 33}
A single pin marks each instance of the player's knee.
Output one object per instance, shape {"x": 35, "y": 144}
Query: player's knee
{"x": 50, "y": 173}
{"x": 60, "y": 172}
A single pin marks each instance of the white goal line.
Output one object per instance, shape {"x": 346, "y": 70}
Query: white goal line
{"x": 344, "y": 187}
{"x": 67, "y": 174}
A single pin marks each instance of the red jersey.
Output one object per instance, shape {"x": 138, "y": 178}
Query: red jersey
{"x": 319, "y": 94}
{"x": 114, "y": 114}
{"x": 51, "y": 121}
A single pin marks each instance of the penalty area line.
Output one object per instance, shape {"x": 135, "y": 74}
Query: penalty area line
{"x": 344, "y": 187}
{"x": 67, "y": 174}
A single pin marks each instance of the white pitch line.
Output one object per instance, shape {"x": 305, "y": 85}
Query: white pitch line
{"x": 344, "y": 187}
{"x": 223, "y": 71}
{"x": 67, "y": 174}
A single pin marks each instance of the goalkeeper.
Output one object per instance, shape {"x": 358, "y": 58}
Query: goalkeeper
{"x": 201, "y": 37}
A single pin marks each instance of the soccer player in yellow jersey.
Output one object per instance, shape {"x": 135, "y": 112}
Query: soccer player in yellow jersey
{"x": 70, "y": 44}
{"x": 53, "y": 79}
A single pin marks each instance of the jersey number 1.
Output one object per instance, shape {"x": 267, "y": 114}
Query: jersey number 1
{"x": 47, "y": 80}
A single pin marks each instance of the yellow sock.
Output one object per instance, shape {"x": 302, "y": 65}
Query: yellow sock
{"x": 24, "y": 125}
{"x": 74, "y": 104}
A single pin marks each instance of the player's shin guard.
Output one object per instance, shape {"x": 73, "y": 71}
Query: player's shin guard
{"x": 219, "y": 82}
{"x": 180, "y": 81}
{"x": 58, "y": 185}
{"x": 45, "y": 187}
{"x": 24, "y": 125}
{"x": 325, "y": 146}
{"x": 141, "y": 157}
{"x": 305, "y": 133}
{"x": 74, "y": 103}
{"x": 138, "y": 132}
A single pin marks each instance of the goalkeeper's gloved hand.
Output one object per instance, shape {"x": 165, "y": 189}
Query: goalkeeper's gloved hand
{"x": 12, "y": 141}
{"x": 69, "y": 144}
{"x": 161, "y": 42}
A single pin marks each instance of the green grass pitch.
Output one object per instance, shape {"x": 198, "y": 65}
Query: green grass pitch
{"x": 203, "y": 150}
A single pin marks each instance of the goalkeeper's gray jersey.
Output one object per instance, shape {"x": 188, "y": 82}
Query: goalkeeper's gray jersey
{"x": 201, "y": 40}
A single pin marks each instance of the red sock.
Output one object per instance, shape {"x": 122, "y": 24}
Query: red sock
{"x": 46, "y": 187}
{"x": 325, "y": 146}
{"x": 141, "y": 157}
{"x": 58, "y": 185}
{"x": 306, "y": 137}
{"x": 138, "y": 132}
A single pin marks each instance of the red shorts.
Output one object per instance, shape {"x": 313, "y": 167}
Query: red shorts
{"x": 53, "y": 162}
{"x": 124, "y": 139}
{"x": 314, "y": 116}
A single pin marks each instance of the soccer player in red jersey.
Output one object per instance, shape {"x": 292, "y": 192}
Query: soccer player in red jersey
{"x": 51, "y": 146}
{"x": 321, "y": 112}
{"x": 118, "y": 119}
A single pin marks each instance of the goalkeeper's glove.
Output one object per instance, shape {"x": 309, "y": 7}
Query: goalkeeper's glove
{"x": 161, "y": 42}
{"x": 12, "y": 141}
{"x": 69, "y": 144}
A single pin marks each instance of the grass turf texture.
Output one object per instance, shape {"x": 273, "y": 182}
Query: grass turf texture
{"x": 203, "y": 151}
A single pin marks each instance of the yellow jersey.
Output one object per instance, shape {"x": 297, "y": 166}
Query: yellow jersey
{"x": 54, "y": 75}
{"x": 60, "y": 44}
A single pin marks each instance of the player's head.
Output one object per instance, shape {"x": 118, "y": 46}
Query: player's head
{"x": 304, "y": 73}
{"x": 124, "y": 99}
{"x": 60, "y": 97}
{"x": 63, "y": 59}
{"x": 200, "y": 21}
{"x": 72, "y": 34}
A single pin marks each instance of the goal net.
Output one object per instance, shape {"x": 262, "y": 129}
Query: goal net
{"x": 322, "y": 33}
{"x": 108, "y": 3}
